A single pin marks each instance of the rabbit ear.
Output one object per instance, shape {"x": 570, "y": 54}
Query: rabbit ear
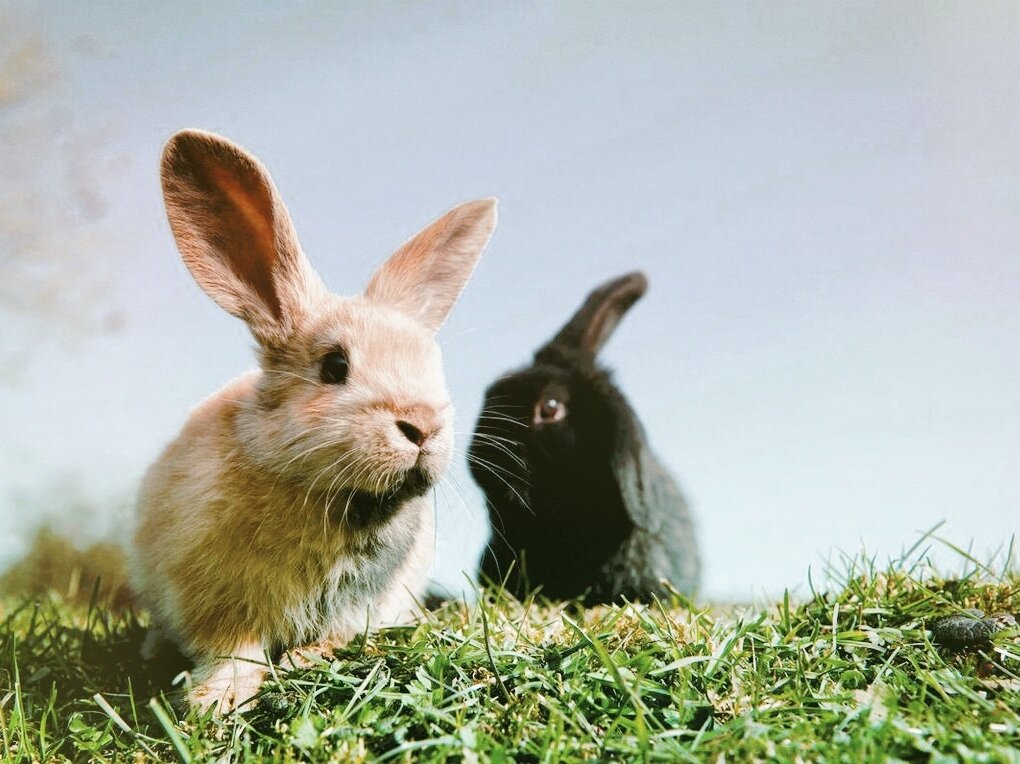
{"x": 426, "y": 275}
{"x": 234, "y": 233}
{"x": 659, "y": 511}
{"x": 589, "y": 329}
{"x": 639, "y": 477}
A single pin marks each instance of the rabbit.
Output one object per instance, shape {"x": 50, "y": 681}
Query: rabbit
{"x": 578, "y": 504}
{"x": 294, "y": 508}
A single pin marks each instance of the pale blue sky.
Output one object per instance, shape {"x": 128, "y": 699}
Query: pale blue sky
{"x": 824, "y": 196}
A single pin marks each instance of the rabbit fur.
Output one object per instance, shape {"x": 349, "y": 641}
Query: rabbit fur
{"x": 293, "y": 509}
{"x": 578, "y": 504}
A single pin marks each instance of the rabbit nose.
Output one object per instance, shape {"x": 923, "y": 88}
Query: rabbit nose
{"x": 411, "y": 432}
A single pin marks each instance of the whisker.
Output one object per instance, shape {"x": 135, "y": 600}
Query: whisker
{"x": 494, "y": 471}
{"x": 291, "y": 374}
{"x": 489, "y": 465}
{"x": 502, "y": 447}
{"x": 489, "y": 419}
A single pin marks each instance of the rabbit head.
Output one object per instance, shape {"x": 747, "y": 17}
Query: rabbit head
{"x": 351, "y": 395}
{"x": 555, "y": 419}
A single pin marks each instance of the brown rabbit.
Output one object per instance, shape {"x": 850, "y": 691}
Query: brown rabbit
{"x": 293, "y": 508}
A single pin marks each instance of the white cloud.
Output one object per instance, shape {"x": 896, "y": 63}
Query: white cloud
{"x": 54, "y": 245}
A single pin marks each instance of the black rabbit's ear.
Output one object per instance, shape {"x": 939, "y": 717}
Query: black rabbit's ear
{"x": 589, "y": 329}
{"x": 663, "y": 544}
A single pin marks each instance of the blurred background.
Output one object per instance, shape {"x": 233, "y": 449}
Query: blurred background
{"x": 824, "y": 196}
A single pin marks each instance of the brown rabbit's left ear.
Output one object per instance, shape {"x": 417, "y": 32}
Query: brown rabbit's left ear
{"x": 426, "y": 275}
{"x": 592, "y": 325}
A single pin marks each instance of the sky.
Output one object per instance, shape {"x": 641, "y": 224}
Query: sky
{"x": 823, "y": 195}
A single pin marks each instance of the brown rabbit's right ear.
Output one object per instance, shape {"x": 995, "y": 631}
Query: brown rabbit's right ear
{"x": 592, "y": 325}
{"x": 235, "y": 235}
{"x": 426, "y": 275}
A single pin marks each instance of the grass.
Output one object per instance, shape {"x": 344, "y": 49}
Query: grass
{"x": 850, "y": 674}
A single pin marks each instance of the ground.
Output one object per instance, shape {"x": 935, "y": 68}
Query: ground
{"x": 848, "y": 674}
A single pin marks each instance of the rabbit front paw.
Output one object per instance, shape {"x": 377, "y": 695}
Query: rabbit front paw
{"x": 229, "y": 685}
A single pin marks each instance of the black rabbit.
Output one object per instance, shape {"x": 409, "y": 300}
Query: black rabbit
{"x": 577, "y": 502}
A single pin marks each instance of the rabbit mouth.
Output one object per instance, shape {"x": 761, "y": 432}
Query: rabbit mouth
{"x": 367, "y": 509}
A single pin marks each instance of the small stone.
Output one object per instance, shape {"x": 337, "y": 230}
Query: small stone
{"x": 969, "y": 629}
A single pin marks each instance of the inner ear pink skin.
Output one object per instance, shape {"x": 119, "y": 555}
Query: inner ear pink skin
{"x": 246, "y": 214}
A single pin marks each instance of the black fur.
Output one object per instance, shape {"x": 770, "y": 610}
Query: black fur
{"x": 579, "y": 506}
{"x": 367, "y": 511}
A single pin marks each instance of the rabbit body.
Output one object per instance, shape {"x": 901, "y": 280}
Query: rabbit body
{"x": 251, "y": 557}
{"x": 578, "y": 503}
{"x": 294, "y": 508}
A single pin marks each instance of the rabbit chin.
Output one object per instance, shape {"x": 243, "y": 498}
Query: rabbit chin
{"x": 363, "y": 510}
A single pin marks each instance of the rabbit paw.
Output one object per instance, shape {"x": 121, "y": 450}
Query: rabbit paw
{"x": 313, "y": 654}
{"x": 229, "y": 685}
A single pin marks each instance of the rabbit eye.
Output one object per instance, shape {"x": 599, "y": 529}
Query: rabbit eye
{"x": 549, "y": 410}
{"x": 334, "y": 368}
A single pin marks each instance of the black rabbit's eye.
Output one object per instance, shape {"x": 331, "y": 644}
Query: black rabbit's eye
{"x": 549, "y": 410}
{"x": 334, "y": 368}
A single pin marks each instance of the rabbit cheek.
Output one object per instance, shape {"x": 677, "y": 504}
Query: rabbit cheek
{"x": 314, "y": 430}
{"x": 554, "y": 444}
